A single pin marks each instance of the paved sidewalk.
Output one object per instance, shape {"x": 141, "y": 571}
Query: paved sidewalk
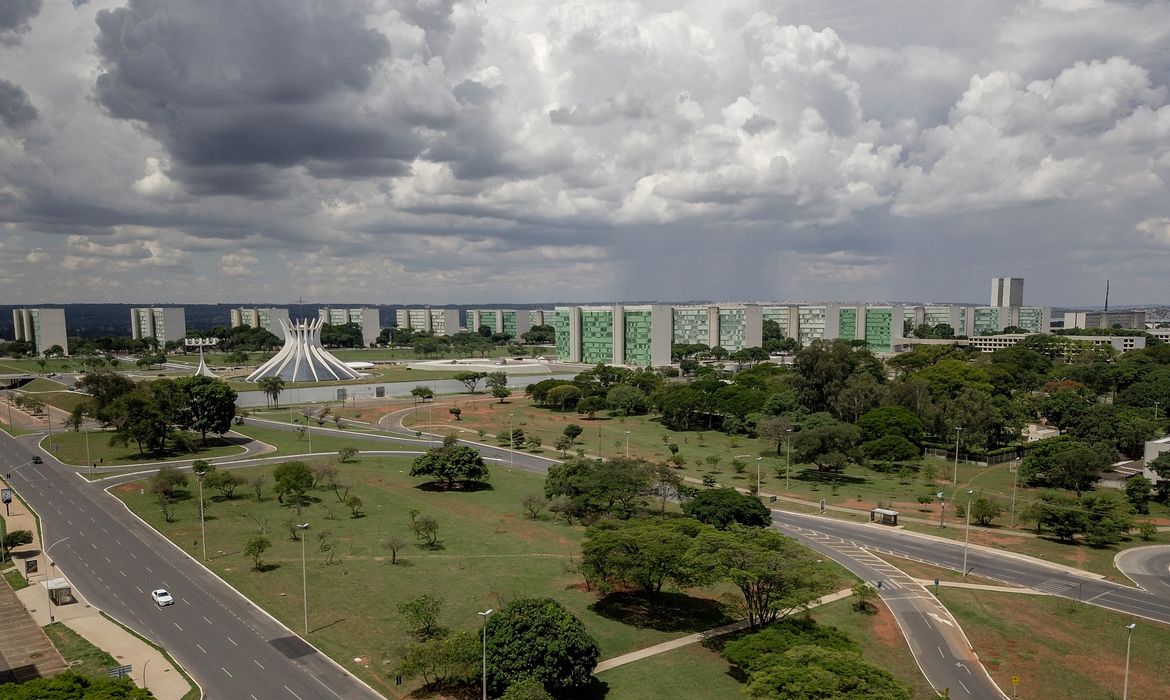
{"x": 25, "y": 652}
{"x": 696, "y": 638}
{"x": 981, "y": 587}
{"x": 162, "y": 678}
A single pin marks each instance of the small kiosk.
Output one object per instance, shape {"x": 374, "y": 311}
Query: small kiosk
{"x": 883, "y": 516}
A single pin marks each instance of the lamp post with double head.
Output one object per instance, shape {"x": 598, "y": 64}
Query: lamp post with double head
{"x": 49, "y": 576}
{"x": 304, "y": 576}
{"x": 1128, "y": 643}
{"x": 955, "y": 481}
{"x": 200, "y": 472}
{"x": 967, "y": 531}
{"x": 484, "y": 615}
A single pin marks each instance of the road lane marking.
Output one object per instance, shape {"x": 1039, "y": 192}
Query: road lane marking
{"x": 232, "y": 641}
{"x": 257, "y": 663}
{"x": 940, "y": 618}
{"x": 91, "y": 544}
{"x": 327, "y": 688}
{"x": 298, "y": 697}
{"x": 147, "y": 568}
{"x": 140, "y": 590}
{"x": 200, "y": 647}
{"x": 122, "y": 572}
{"x": 940, "y": 652}
{"x": 206, "y": 620}
{"x": 964, "y": 686}
{"x": 107, "y": 560}
{"x": 177, "y": 626}
{"x": 229, "y": 675}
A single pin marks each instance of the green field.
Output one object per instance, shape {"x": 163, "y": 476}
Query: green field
{"x": 9, "y": 365}
{"x": 70, "y": 448}
{"x": 679, "y": 673}
{"x": 490, "y": 554}
{"x": 288, "y": 442}
{"x": 1060, "y": 649}
{"x": 82, "y": 657}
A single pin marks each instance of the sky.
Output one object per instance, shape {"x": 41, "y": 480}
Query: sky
{"x": 511, "y": 151}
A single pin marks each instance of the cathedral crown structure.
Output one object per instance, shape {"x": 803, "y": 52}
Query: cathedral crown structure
{"x": 303, "y": 359}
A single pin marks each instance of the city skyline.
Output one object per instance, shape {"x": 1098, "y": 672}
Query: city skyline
{"x": 469, "y": 154}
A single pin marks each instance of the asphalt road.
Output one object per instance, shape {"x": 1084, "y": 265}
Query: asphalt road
{"x": 1148, "y": 567}
{"x": 230, "y": 647}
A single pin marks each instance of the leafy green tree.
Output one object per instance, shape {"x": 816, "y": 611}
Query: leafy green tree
{"x": 255, "y": 549}
{"x": 573, "y": 431}
{"x": 776, "y": 428}
{"x": 1066, "y": 406}
{"x": 564, "y": 397}
{"x": 863, "y": 597}
{"x": 1037, "y": 468}
{"x": 564, "y": 444}
{"x": 70, "y": 685}
{"x": 724, "y": 507}
{"x": 641, "y": 554}
{"x": 426, "y": 528}
{"x": 829, "y": 444}
{"x": 470, "y": 379}
{"x": 210, "y": 405}
{"x": 526, "y": 689}
{"x": 594, "y": 488}
{"x": 890, "y": 420}
{"x": 422, "y": 614}
{"x": 292, "y": 479}
{"x": 590, "y": 405}
{"x": 813, "y": 673}
{"x": 627, "y": 400}
{"x": 756, "y": 650}
{"x": 452, "y": 463}
{"x": 890, "y": 448}
{"x": 775, "y": 575}
{"x": 167, "y": 480}
{"x": 1079, "y": 468}
{"x": 16, "y": 538}
{"x": 1160, "y": 465}
{"x": 537, "y": 638}
{"x": 272, "y": 387}
{"x": 226, "y": 482}
{"x": 1137, "y": 490}
{"x": 422, "y": 393}
{"x": 439, "y": 660}
{"x": 1108, "y": 520}
{"x": 824, "y": 367}
{"x": 984, "y": 510}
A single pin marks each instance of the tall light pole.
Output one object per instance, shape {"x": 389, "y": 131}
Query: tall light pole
{"x": 511, "y": 444}
{"x": 48, "y": 575}
{"x": 942, "y": 511}
{"x": 304, "y": 576}
{"x": 955, "y": 481}
{"x": 788, "y": 463}
{"x": 1156, "y": 405}
{"x": 1128, "y": 642}
{"x": 758, "y": 461}
{"x": 1015, "y": 484}
{"x": 200, "y": 472}
{"x": 628, "y": 451}
{"x": 967, "y": 531}
{"x": 485, "y": 615}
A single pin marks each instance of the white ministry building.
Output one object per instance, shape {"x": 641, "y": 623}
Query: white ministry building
{"x": 164, "y": 324}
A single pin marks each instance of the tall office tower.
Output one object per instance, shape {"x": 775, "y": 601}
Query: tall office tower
{"x": 1007, "y": 291}
{"x": 514, "y": 323}
{"x": 367, "y": 318}
{"x": 428, "y": 320}
{"x": 614, "y": 335}
{"x": 42, "y": 328}
{"x": 164, "y": 324}
{"x": 267, "y": 318}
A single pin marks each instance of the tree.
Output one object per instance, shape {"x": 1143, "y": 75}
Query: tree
{"x": 210, "y": 405}
{"x": 422, "y": 616}
{"x": 591, "y": 405}
{"x": 666, "y": 483}
{"x": 451, "y": 658}
{"x": 863, "y": 597}
{"x": 255, "y": 548}
{"x": 627, "y": 400}
{"x": 70, "y": 685}
{"x": 812, "y": 673}
{"x": 501, "y": 393}
{"x": 355, "y": 506}
{"x": 423, "y": 393}
{"x": 984, "y": 510}
{"x": 564, "y": 397}
{"x": 775, "y": 575}
{"x": 830, "y": 445}
{"x": 1137, "y": 491}
{"x": 824, "y": 367}
{"x": 594, "y": 488}
{"x": 526, "y": 689}
{"x": 426, "y": 528}
{"x": 455, "y": 411}
{"x": 347, "y": 453}
{"x": 226, "y": 482}
{"x": 723, "y": 507}
{"x": 533, "y": 503}
{"x": 451, "y": 463}
{"x": 271, "y": 386}
{"x": 498, "y": 383}
{"x": 564, "y": 444}
{"x": 292, "y": 478}
{"x": 1079, "y": 468}
{"x": 775, "y": 428}
{"x": 573, "y": 431}
{"x": 890, "y": 420}
{"x": 394, "y": 544}
{"x": 257, "y": 484}
{"x": 16, "y": 538}
{"x": 1160, "y": 465}
{"x": 537, "y": 638}
{"x": 166, "y": 481}
{"x": 470, "y": 379}
{"x": 890, "y": 448}
{"x": 642, "y": 554}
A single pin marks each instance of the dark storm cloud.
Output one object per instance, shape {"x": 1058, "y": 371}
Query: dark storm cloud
{"x": 15, "y": 108}
{"x": 227, "y": 86}
{"x": 15, "y": 16}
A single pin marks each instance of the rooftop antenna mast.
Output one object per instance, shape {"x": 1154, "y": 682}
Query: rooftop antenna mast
{"x": 1106, "y": 295}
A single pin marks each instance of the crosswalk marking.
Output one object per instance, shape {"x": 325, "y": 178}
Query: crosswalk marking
{"x": 1055, "y": 586}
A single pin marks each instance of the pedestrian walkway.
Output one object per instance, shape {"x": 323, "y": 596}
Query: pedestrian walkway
{"x": 697, "y": 637}
{"x": 30, "y": 606}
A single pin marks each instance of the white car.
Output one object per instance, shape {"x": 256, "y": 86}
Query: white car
{"x": 162, "y": 598}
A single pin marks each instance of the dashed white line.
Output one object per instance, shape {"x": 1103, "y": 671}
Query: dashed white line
{"x": 206, "y": 620}
{"x": 177, "y": 626}
{"x": 122, "y": 572}
{"x": 257, "y": 663}
{"x": 964, "y": 687}
{"x": 200, "y": 647}
{"x": 232, "y": 641}
{"x": 298, "y": 697}
{"x": 940, "y": 652}
{"x": 327, "y": 688}
{"x": 229, "y": 675}
{"x": 140, "y": 590}
{"x": 107, "y": 560}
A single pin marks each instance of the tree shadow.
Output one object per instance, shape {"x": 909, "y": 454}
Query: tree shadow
{"x": 436, "y": 547}
{"x": 819, "y": 477}
{"x": 666, "y": 612}
{"x": 265, "y": 568}
{"x": 457, "y": 487}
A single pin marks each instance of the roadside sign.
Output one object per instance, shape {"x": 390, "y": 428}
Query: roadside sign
{"x": 1015, "y": 680}
{"x": 119, "y": 671}
{"x": 6, "y": 495}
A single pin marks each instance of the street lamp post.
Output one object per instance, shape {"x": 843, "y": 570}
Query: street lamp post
{"x": 484, "y": 615}
{"x": 758, "y": 461}
{"x": 1015, "y": 484}
{"x": 967, "y": 531}
{"x": 788, "y": 463}
{"x": 955, "y": 481}
{"x": 628, "y": 450}
{"x": 304, "y": 576}
{"x": 48, "y": 575}
{"x": 511, "y": 444}
{"x": 942, "y": 510}
{"x": 200, "y": 472}
{"x": 1128, "y": 643}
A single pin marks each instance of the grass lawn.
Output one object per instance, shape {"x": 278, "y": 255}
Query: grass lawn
{"x": 90, "y": 661}
{"x": 10, "y": 365}
{"x": 373, "y": 376}
{"x": 679, "y": 673}
{"x": 15, "y": 579}
{"x": 489, "y": 555}
{"x": 69, "y": 447}
{"x": 1061, "y": 649}
{"x": 288, "y": 442}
